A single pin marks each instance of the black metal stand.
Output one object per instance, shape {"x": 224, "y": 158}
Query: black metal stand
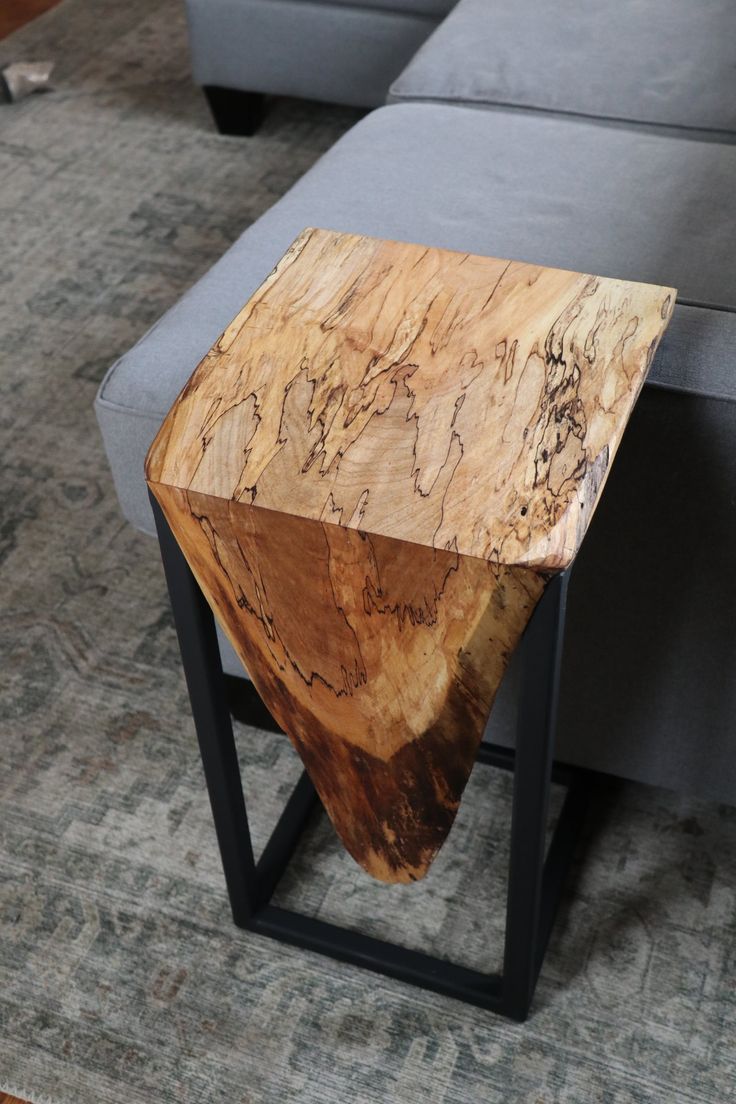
{"x": 535, "y": 883}
{"x": 236, "y": 113}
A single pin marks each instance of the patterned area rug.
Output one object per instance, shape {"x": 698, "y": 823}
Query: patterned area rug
{"x": 122, "y": 976}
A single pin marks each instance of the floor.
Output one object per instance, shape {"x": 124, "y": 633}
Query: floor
{"x": 14, "y": 14}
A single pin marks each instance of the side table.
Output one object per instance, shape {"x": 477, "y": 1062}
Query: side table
{"x": 378, "y": 478}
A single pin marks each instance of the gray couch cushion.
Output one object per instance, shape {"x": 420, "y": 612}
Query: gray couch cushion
{"x": 670, "y": 62}
{"x": 335, "y": 51}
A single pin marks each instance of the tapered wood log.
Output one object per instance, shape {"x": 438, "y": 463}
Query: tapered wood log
{"x": 372, "y": 474}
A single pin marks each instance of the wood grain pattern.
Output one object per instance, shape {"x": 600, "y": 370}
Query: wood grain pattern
{"x": 372, "y": 474}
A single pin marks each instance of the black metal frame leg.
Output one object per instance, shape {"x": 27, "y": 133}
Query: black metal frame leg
{"x": 535, "y": 882}
{"x": 526, "y": 935}
{"x": 200, "y": 654}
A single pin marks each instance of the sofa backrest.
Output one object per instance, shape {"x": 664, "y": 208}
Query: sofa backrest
{"x": 655, "y": 62}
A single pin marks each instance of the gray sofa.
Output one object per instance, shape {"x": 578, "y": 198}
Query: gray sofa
{"x": 649, "y": 686}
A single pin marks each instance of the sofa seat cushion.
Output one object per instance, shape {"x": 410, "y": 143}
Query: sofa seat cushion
{"x": 554, "y": 191}
{"x": 667, "y": 62}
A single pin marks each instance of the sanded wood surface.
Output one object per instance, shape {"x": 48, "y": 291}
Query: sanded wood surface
{"x": 372, "y": 474}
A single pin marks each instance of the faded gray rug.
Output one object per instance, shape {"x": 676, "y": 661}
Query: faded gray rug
{"x": 121, "y": 975}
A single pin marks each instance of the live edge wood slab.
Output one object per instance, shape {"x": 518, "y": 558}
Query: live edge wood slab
{"x": 372, "y": 474}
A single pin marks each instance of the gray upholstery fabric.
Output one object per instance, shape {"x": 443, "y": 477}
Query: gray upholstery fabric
{"x": 649, "y": 675}
{"x": 334, "y": 52}
{"x": 650, "y": 661}
{"x": 698, "y": 353}
{"x": 670, "y": 62}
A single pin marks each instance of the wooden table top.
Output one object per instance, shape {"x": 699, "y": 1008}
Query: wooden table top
{"x": 372, "y": 474}
{"x": 446, "y": 399}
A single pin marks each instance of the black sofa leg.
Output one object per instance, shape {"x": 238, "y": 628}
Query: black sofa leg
{"x": 235, "y": 112}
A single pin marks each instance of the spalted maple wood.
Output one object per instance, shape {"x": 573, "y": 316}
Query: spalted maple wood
{"x": 378, "y": 657}
{"x": 372, "y": 474}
